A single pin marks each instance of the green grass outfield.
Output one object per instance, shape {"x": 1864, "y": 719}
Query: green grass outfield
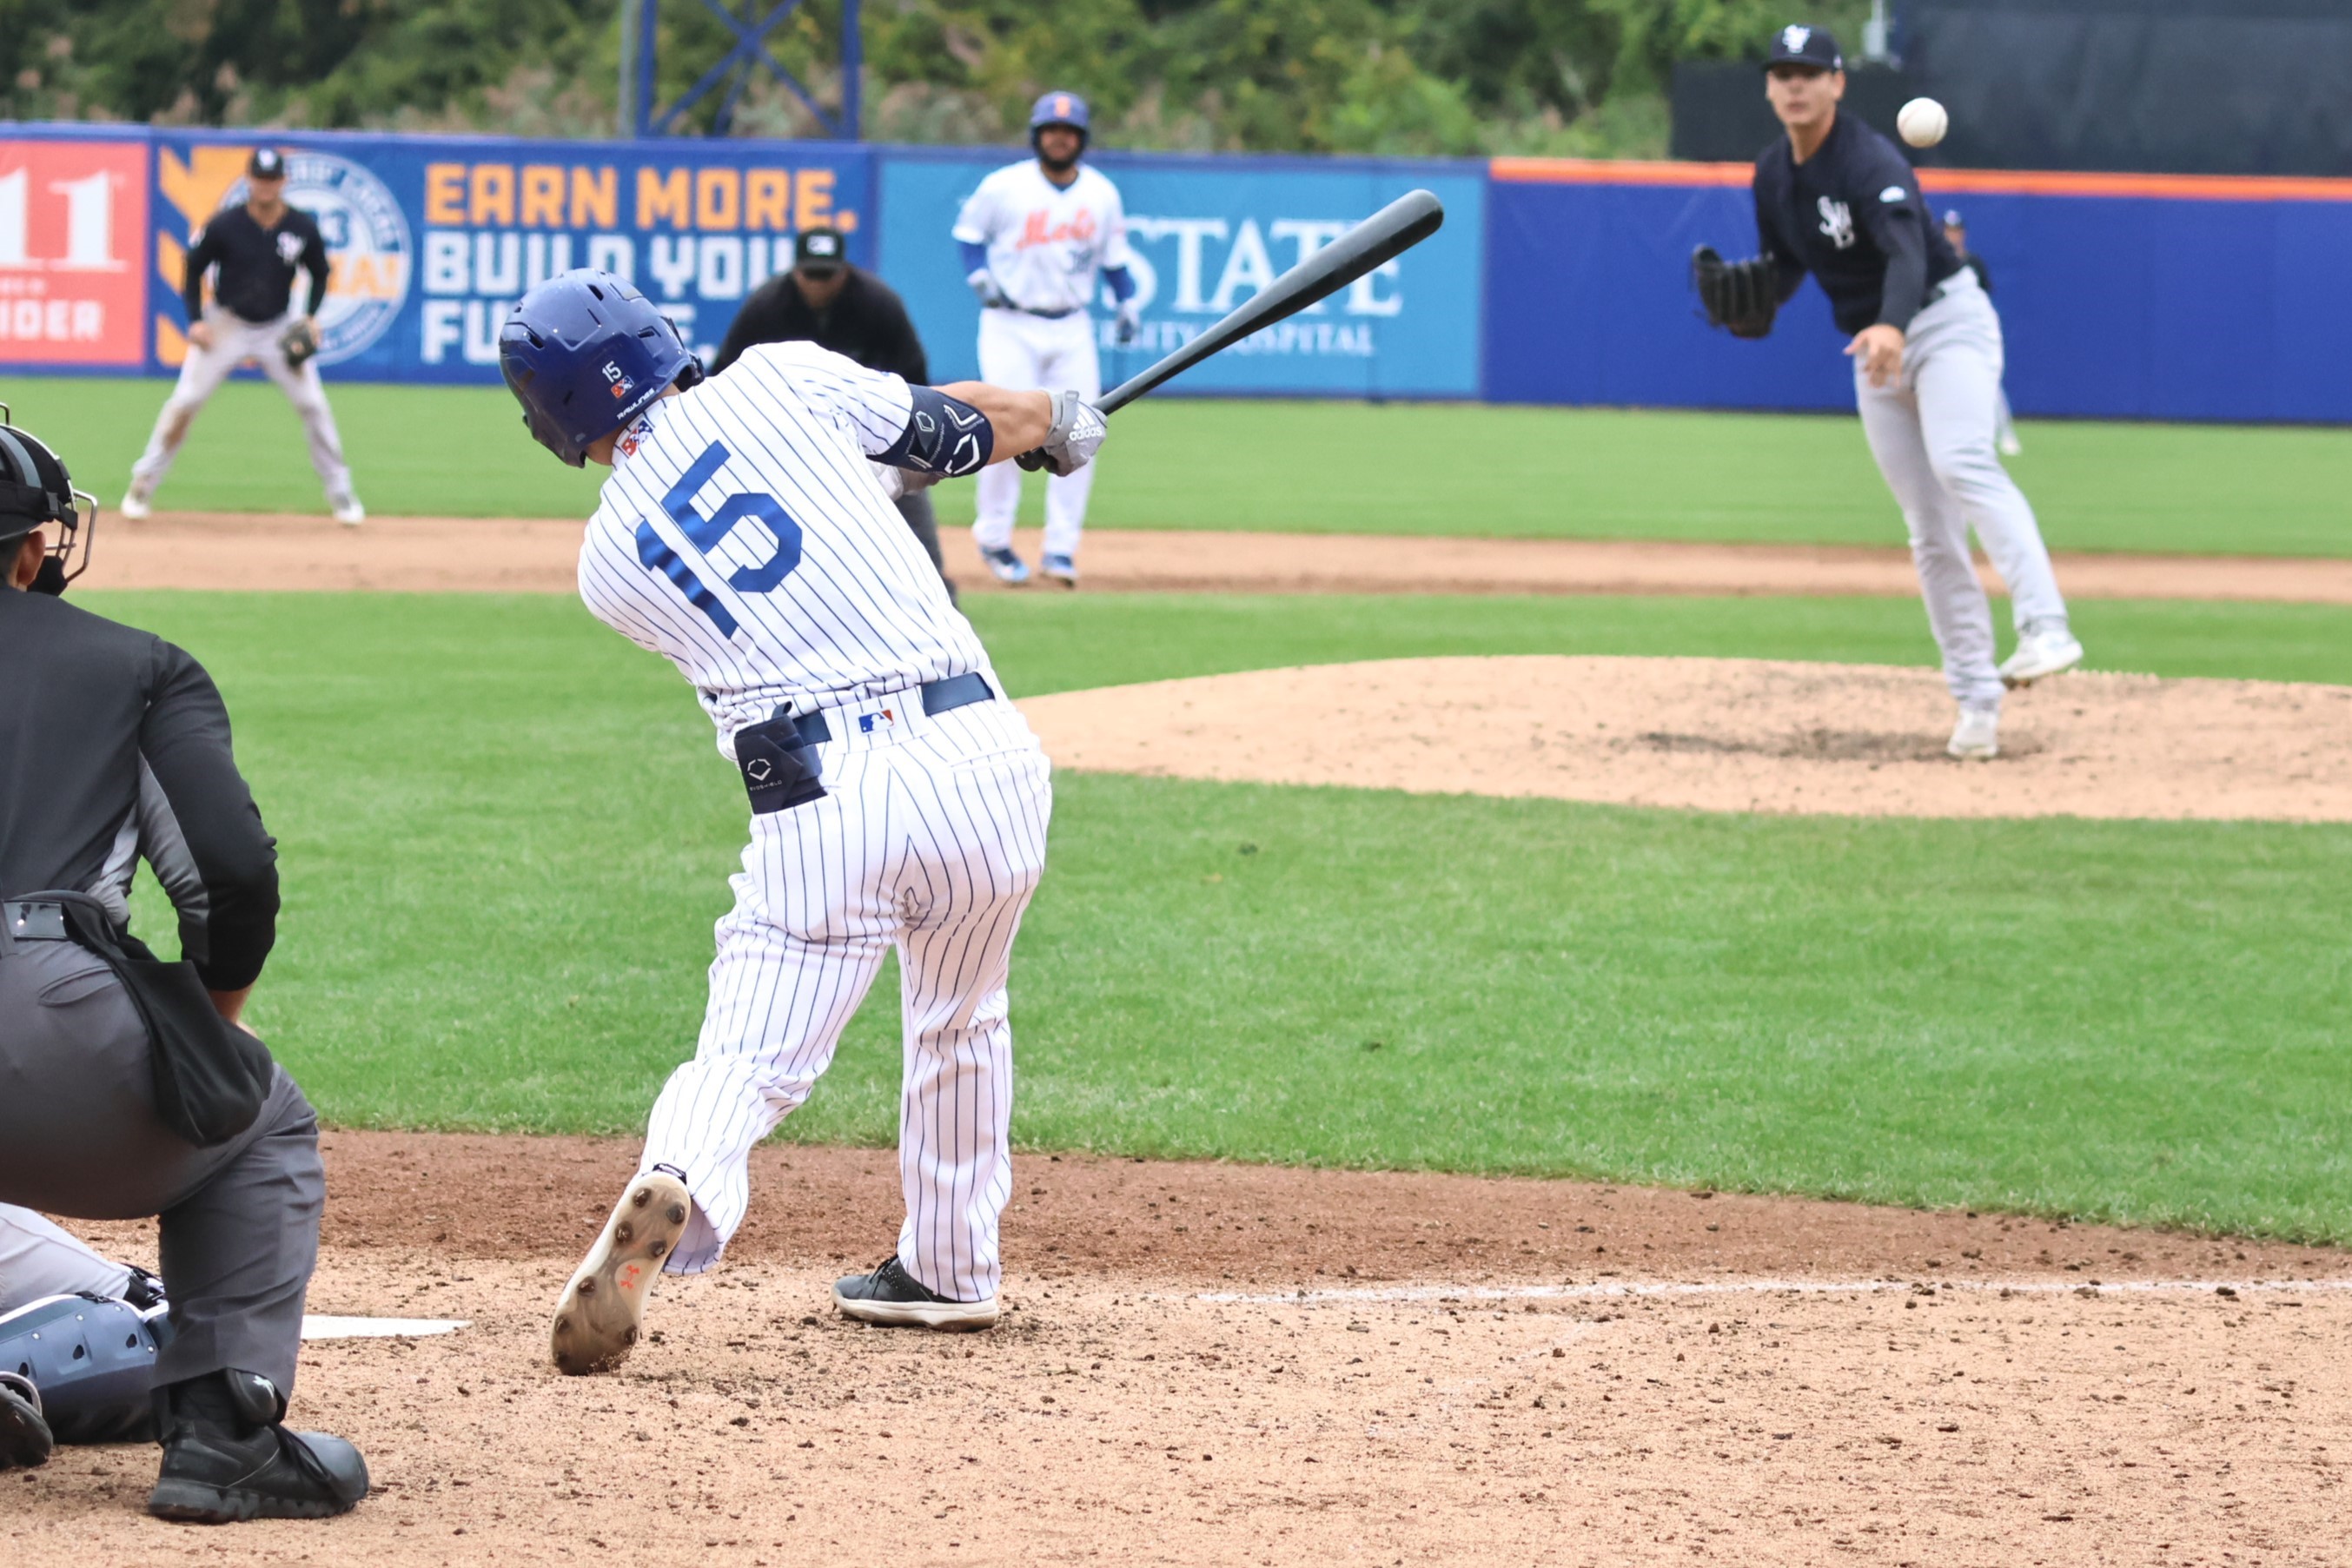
{"x": 505, "y": 834}
{"x": 1318, "y": 467}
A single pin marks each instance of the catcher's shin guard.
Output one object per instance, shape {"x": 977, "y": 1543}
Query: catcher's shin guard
{"x": 93, "y": 1359}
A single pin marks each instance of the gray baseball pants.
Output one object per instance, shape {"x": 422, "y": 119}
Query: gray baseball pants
{"x": 37, "y": 1260}
{"x": 235, "y": 339}
{"x": 78, "y": 1136}
{"x": 1933, "y": 431}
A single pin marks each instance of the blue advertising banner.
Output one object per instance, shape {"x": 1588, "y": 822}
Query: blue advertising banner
{"x": 1208, "y": 233}
{"x": 433, "y": 239}
{"x": 2121, "y": 296}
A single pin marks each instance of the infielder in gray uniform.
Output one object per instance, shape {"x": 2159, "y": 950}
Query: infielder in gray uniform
{"x": 1835, "y": 199}
{"x": 128, "y": 1086}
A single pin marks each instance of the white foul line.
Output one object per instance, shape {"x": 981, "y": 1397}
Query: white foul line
{"x": 1411, "y": 1293}
{"x": 316, "y": 1326}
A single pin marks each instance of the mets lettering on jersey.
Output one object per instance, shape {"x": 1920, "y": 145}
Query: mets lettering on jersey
{"x": 1046, "y": 243}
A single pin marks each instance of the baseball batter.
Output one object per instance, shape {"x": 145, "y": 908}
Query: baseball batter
{"x": 1035, "y": 237}
{"x": 256, "y": 249}
{"x": 897, "y": 801}
{"x": 1835, "y": 199}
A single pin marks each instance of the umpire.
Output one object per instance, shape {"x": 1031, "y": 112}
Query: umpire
{"x": 829, "y": 301}
{"x": 126, "y": 1085}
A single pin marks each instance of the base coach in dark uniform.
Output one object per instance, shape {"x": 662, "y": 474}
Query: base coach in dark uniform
{"x": 127, "y": 1086}
{"x": 835, "y": 303}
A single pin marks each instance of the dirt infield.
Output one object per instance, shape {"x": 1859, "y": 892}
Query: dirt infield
{"x": 1729, "y": 735}
{"x": 1210, "y": 1363}
{"x": 238, "y": 550}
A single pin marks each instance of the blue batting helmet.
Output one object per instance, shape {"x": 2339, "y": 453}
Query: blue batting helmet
{"x": 1058, "y": 109}
{"x": 584, "y": 353}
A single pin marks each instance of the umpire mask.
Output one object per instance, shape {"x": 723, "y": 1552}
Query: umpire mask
{"x": 35, "y": 490}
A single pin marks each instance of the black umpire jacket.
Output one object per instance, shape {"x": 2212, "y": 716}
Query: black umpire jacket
{"x": 114, "y": 745}
{"x": 867, "y": 322}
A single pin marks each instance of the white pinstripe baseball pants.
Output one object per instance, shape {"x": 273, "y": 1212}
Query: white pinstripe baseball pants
{"x": 930, "y": 838}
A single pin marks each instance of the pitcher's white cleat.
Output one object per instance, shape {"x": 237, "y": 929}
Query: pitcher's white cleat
{"x": 2041, "y": 651}
{"x": 134, "y": 505}
{"x": 349, "y": 512}
{"x": 603, "y": 1309}
{"x": 1976, "y": 736}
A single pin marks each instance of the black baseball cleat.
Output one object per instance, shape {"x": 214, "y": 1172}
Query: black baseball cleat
{"x": 891, "y": 1295}
{"x": 226, "y": 1458}
{"x": 25, "y": 1439}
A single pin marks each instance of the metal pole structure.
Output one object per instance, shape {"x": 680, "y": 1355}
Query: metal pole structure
{"x": 642, "y": 108}
{"x": 648, "y": 56}
{"x": 624, "y": 100}
{"x": 852, "y": 68}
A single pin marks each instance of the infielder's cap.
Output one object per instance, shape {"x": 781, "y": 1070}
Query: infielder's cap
{"x": 819, "y": 251}
{"x": 1058, "y": 109}
{"x": 1801, "y": 46}
{"x": 1952, "y": 219}
{"x": 267, "y": 164}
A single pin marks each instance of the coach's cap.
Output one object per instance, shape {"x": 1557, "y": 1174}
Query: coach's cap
{"x": 819, "y": 252}
{"x": 1801, "y": 46}
{"x": 1952, "y": 219}
{"x": 267, "y": 164}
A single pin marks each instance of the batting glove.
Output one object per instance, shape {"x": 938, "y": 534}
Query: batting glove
{"x": 1128, "y": 321}
{"x": 1076, "y": 434}
{"x": 984, "y": 285}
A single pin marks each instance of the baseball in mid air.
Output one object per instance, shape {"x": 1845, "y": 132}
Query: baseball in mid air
{"x": 1922, "y": 121}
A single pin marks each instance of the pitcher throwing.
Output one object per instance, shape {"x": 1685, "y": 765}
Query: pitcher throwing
{"x": 1835, "y": 199}
{"x": 896, "y": 800}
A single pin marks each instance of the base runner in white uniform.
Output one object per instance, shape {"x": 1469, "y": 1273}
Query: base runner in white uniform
{"x": 898, "y": 802}
{"x": 1034, "y": 237}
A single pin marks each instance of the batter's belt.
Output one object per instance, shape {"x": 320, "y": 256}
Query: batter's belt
{"x": 938, "y": 696}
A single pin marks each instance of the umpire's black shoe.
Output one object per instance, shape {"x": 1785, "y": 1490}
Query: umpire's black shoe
{"x": 25, "y": 1439}
{"x": 223, "y": 1464}
{"x": 891, "y": 1295}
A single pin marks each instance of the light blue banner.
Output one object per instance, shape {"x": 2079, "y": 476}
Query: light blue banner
{"x": 1208, "y": 233}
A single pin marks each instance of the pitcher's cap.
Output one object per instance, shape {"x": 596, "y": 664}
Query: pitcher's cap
{"x": 1798, "y": 45}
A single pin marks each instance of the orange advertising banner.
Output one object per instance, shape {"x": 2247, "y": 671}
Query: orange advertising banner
{"x": 73, "y": 222}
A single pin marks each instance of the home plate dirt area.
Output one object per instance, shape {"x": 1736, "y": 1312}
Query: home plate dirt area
{"x": 1219, "y": 1364}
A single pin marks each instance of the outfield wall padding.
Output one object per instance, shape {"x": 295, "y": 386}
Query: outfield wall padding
{"x": 2194, "y": 298}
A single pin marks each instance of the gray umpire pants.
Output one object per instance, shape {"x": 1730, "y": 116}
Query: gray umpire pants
{"x": 1933, "y": 431}
{"x": 78, "y": 1136}
{"x": 925, "y": 523}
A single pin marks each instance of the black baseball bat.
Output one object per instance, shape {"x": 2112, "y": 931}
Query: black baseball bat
{"x": 1390, "y": 231}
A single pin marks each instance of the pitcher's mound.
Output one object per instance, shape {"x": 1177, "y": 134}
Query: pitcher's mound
{"x": 1729, "y": 735}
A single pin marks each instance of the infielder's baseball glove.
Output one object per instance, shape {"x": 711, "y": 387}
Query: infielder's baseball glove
{"x": 299, "y": 341}
{"x": 1740, "y": 297}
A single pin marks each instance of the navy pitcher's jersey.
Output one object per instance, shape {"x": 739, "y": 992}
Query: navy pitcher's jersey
{"x": 745, "y": 537}
{"x": 1834, "y": 215}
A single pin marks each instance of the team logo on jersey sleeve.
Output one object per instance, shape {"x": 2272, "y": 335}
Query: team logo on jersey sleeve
{"x": 1894, "y": 193}
{"x": 1837, "y": 222}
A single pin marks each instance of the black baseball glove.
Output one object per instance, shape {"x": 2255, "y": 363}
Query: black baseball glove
{"x": 1740, "y": 297}
{"x": 299, "y": 341}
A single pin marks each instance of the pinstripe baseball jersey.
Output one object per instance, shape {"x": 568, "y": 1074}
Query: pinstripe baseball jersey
{"x": 745, "y": 537}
